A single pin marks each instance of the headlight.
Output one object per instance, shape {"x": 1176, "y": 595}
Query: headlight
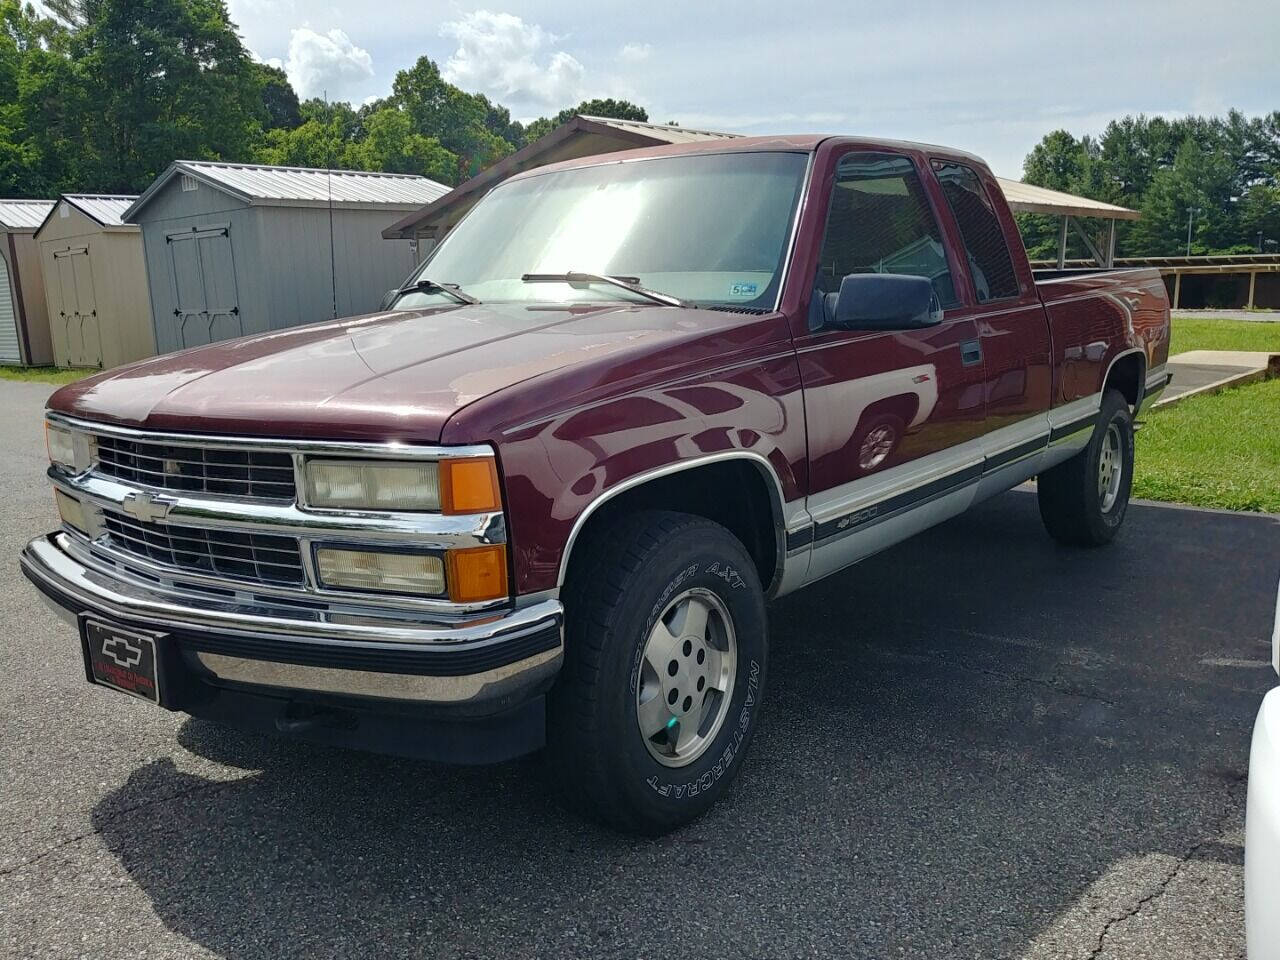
{"x": 381, "y": 571}
{"x": 464, "y": 485}
{"x": 62, "y": 447}
{"x": 72, "y": 450}
{"x": 373, "y": 485}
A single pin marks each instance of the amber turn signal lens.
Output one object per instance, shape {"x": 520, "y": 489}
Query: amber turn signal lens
{"x": 469, "y": 485}
{"x": 477, "y": 574}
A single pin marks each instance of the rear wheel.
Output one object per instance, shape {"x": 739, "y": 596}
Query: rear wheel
{"x": 1083, "y": 501}
{"x": 664, "y": 669}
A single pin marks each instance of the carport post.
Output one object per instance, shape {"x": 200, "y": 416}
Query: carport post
{"x": 1062, "y": 243}
{"x": 1177, "y": 289}
{"x": 1111, "y": 243}
{"x": 1253, "y": 282}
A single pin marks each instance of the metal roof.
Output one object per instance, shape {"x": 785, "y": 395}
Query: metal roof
{"x": 260, "y": 185}
{"x": 24, "y": 214}
{"x": 660, "y": 131}
{"x": 1031, "y": 199}
{"x": 105, "y": 208}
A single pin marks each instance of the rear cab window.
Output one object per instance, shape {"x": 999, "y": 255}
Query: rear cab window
{"x": 986, "y": 248}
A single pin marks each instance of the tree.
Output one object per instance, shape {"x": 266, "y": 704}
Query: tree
{"x": 315, "y": 143}
{"x": 392, "y": 145}
{"x": 157, "y": 81}
{"x": 458, "y": 120}
{"x": 278, "y": 99}
{"x": 614, "y": 109}
{"x": 1054, "y": 162}
{"x": 1224, "y": 169}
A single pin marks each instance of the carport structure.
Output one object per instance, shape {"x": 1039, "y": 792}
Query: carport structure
{"x": 24, "y": 317}
{"x": 1028, "y": 198}
{"x": 584, "y": 136}
{"x": 237, "y": 249}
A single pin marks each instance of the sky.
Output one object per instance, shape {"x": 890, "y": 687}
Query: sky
{"x": 988, "y": 77}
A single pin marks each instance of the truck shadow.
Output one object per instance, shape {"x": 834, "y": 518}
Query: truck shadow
{"x": 960, "y": 736}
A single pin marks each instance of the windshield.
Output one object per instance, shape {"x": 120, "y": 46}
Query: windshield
{"x": 709, "y": 229}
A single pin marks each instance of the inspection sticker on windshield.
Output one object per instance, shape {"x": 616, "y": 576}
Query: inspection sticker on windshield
{"x": 743, "y": 290}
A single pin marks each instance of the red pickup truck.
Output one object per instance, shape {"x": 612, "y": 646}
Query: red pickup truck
{"x": 541, "y": 499}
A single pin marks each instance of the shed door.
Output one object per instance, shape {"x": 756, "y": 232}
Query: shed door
{"x": 78, "y": 313}
{"x": 90, "y": 326}
{"x": 206, "y": 301}
{"x": 9, "y": 350}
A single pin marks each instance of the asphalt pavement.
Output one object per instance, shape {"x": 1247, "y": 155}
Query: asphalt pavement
{"x": 978, "y": 744}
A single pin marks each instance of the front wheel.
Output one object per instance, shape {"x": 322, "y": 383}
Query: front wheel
{"x": 1083, "y": 500}
{"x": 664, "y": 670}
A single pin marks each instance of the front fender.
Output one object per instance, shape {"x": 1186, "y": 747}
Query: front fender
{"x": 560, "y": 471}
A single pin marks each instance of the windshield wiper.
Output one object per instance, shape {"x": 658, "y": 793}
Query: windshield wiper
{"x": 626, "y": 283}
{"x": 431, "y": 286}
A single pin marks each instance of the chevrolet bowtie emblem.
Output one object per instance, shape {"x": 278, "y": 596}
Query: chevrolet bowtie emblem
{"x": 147, "y": 507}
{"x": 123, "y": 652}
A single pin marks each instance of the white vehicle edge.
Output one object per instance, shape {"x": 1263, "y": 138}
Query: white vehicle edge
{"x": 1262, "y": 823}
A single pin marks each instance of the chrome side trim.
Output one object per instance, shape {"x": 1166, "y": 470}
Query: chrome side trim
{"x": 46, "y": 562}
{"x": 862, "y": 517}
{"x": 391, "y": 449}
{"x": 783, "y": 523}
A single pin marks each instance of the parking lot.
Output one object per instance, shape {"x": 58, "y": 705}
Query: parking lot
{"x": 978, "y": 744}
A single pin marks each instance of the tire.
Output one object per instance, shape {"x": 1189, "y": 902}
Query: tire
{"x": 1074, "y": 506}
{"x": 877, "y": 441}
{"x": 650, "y": 567}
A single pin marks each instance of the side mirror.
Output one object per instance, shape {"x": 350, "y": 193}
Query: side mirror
{"x": 389, "y": 298}
{"x": 883, "y": 301}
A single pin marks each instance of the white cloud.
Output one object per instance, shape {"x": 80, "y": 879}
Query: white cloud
{"x": 634, "y": 52}
{"x": 320, "y": 62}
{"x": 498, "y": 55}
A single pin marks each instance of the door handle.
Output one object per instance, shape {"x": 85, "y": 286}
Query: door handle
{"x": 971, "y": 352}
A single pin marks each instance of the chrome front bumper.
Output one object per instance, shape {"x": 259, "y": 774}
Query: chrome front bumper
{"x": 487, "y": 661}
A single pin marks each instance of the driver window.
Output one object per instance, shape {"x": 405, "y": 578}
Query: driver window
{"x": 880, "y": 221}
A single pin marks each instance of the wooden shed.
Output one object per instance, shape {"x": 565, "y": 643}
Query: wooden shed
{"x": 95, "y": 282}
{"x": 24, "y": 320}
{"x": 237, "y": 249}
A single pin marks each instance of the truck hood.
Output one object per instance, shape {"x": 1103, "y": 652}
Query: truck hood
{"x": 388, "y": 375}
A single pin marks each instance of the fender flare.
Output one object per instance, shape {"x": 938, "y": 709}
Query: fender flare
{"x": 759, "y": 461}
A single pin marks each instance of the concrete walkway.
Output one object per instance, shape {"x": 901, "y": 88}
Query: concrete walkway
{"x": 1208, "y": 371}
{"x": 1253, "y": 316}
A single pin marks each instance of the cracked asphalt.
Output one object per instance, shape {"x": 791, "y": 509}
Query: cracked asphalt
{"x": 978, "y": 744}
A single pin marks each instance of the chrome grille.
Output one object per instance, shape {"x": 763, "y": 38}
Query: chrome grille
{"x": 261, "y": 474}
{"x": 251, "y": 557}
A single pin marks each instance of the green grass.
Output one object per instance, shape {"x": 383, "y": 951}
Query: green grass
{"x": 1221, "y": 450}
{"x": 1206, "y": 333}
{"x": 44, "y": 374}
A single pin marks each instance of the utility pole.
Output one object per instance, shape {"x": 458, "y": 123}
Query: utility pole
{"x": 1191, "y": 213}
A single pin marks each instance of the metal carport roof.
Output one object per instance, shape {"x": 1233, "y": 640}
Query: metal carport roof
{"x": 23, "y": 214}
{"x": 259, "y": 185}
{"x": 1028, "y": 198}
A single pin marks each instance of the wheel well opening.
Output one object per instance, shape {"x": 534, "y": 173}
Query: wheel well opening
{"x": 1126, "y": 376}
{"x": 732, "y": 493}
